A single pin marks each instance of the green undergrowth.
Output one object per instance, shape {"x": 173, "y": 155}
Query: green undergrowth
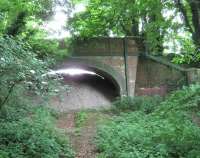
{"x": 30, "y": 132}
{"x": 80, "y": 118}
{"x": 100, "y": 116}
{"x": 146, "y": 104}
{"x": 165, "y": 130}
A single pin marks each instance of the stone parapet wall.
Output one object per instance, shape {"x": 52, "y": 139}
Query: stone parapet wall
{"x": 103, "y": 46}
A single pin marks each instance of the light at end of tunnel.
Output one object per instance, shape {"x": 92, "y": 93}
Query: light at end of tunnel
{"x": 74, "y": 72}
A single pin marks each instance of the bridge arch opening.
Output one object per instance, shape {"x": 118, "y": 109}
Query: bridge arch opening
{"x": 90, "y": 88}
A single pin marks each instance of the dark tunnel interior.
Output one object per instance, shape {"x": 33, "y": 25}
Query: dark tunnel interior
{"x": 88, "y": 91}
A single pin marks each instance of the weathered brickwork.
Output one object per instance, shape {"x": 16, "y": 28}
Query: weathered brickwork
{"x": 103, "y": 47}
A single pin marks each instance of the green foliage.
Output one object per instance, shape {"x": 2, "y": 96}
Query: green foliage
{"x": 80, "y": 118}
{"x": 45, "y": 48}
{"x": 142, "y": 18}
{"x": 168, "y": 131}
{"x": 20, "y": 71}
{"x": 16, "y": 13}
{"x": 23, "y": 19}
{"x": 30, "y": 132}
{"x": 189, "y": 52}
{"x": 26, "y": 131}
{"x": 143, "y": 103}
{"x": 155, "y": 23}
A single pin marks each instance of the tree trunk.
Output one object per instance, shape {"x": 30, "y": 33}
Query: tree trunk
{"x": 195, "y": 9}
{"x": 139, "y": 37}
{"x": 194, "y": 25}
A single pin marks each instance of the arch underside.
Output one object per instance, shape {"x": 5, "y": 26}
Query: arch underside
{"x": 100, "y": 68}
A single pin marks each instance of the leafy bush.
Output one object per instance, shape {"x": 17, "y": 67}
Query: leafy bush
{"x": 189, "y": 53}
{"x": 168, "y": 132}
{"x": 26, "y": 131}
{"x": 144, "y": 103}
{"x": 45, "y": 47}
{"x": 19, "y": 69}
{"x": 32, "y": 134}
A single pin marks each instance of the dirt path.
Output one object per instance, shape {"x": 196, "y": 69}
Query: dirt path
{"x": 82, "y": 141}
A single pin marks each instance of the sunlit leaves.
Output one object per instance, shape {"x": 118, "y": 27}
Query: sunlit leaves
{"x": 10, "y": 9}
{"x": 19, "y": 66}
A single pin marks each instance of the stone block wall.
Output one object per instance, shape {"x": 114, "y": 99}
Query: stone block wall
{"x": 154, "y": 78}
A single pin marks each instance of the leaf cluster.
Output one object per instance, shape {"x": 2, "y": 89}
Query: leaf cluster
{"x": 138, "y": 103}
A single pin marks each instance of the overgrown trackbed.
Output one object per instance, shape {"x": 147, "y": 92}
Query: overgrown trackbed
{"x": 81, "y": 138}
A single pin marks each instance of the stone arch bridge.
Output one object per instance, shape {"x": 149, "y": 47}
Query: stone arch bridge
{"x": 113, "y": 58}
{"x": 119, "y": 60}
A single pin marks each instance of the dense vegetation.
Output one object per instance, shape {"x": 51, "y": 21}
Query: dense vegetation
{"x": 24, "y": 19}
{"x": 169, "y": 129}
{"x": 17, "y": 17}
{"x": 27, "y": 130}
{"x": 30, "y": 132}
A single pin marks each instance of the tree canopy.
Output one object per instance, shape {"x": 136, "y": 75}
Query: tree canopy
{"x": 190, "y": 12}
{"x": 154, "y": 22}
{"x": 16, "y": 14}
{"x": 122, "y": 18}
